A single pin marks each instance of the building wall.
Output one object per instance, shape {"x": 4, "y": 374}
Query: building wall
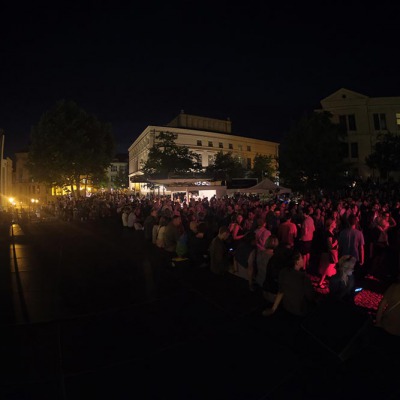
{"x": 5, "y": 182}
{"x": 113, "y": 170}
{"x": 24, "y": 188}
{"x": 359, "y": 113}
{"x": 205, "y": 143}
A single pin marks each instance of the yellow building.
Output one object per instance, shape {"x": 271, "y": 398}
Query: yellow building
{"x": 204, "y": 136}
{"x": 364, "y": 118}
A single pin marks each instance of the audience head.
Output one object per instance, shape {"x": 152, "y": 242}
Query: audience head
{"x": 297, "y": 261}
{"x": 272, "y": 242}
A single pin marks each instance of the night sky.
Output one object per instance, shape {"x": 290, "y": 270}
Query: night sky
{"x": 261, "y": 65}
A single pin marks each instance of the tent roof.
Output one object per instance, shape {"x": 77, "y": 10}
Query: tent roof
{"x": 265, "y": 186}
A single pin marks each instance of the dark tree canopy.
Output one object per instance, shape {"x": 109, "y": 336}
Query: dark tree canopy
{"x": 311, "y": 154}
{"x": 69, "y": 144}
{"x": 229, "y": 165}
{"x": 264, "y": 167}
{"x": 386, "y": 155}
{"x": 166, "y": 157}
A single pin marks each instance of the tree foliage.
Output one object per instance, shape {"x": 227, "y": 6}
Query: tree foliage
{"x": 386, "y": 154}
{"x": 311, "y": 155}
{"x": 166, "y": 157}
{"x": 68, "y": 144}
{"x": 121, "y": 180}
{"x": 227, "y": 165}
{"x": 264, "y": 167}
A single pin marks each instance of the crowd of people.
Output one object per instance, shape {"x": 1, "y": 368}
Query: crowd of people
{"x": 276, "y": 245}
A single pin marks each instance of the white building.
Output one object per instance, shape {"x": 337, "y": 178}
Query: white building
{"x": 204, "y": 136}
{"x": 117, "y": 168}
{"x": 364, "y": 118}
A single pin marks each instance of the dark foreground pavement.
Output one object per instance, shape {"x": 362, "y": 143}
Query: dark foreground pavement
{"x": 89, "y": 311}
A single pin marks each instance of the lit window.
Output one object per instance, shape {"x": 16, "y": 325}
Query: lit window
{"x": 398, "y": 120}
{"x": 210, "y": 159}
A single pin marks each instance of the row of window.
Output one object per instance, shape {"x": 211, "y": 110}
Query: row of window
{"x": 353, "y": 153}
{"x": 211, "y": 158}
{"x": 114, "y": 168}
{"x": 221, "y": 145}
{"x": 348, "y": 122}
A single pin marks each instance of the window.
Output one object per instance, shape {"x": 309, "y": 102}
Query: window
{"x": 348, "y": 122}
{"x": 230, "y": 146}
{"x": 249, "y": 163}
{"x": 210, "y": 144}
{"x": 352, "y": 122}
{"x": 201, "y": 159}
{"x": 114, "y": 168}
{"x": 210, "y": 159}
{"x": 221, "y": 145}
{"x": 398, "y": 120}
{"x": 344, "y": 150}
{"x": 199, "y": 143}
{"x": 248, "y": 148}
{"x": 354, "y": 150}
{"x": 240, "y": 147}
{"x": 380, "y": 122}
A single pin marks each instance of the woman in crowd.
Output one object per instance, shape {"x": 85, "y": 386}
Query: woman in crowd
{"x": 329, "y": 255}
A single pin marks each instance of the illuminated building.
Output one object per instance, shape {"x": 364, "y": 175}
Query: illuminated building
{"x": 364, "y": 119}
{"x": 204, "y": 136}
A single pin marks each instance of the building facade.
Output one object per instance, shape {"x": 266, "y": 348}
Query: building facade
{"x": 364, "y": 119}
{"x": 25, "y": 190}
{"x": 117, "y": 172}
{"x": 204, "y": 136}
{"x": 6, "y": 182}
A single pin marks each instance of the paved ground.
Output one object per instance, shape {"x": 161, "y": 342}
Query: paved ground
{"x": 89, "y": 311}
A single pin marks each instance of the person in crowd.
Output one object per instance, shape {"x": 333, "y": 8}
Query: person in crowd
{"x": 250, "y": 223}
{"x": 287, "y": 231}
{"x": 388, "y": 313}
{"x": 351, "y": 242}
{"x": 172, "y": 234}
{"x": 219, "y": 253}
{"x": 236, "y": 230}
{"x": 306, "y": 236}
{"x": 124, "y": 216}
{"x": 148, "y": 225}
{"x": 263, "y": 258}
{"x": 198, "y": 245}
{"x": 296, "y": 292}
{"x": 329, "y": 255}
{"x": 341, "y": 285}
{"x": 379, "y": 245}
{"x": 245, "y": 257}
{"x": 158, "y": 234}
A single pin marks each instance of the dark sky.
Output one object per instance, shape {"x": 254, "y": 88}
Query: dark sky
{"x": 261, "y": 65}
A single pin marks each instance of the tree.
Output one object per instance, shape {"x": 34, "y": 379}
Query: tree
{"x": 121, "y": 181}
{"x": 386, "y": 155}
{"x": 311, "y": 155}
{"x": 228, "y": 165}
{"x": 69, "y": 144}
{"x": 263, "y": 167}
{"x": 166, "y": 157}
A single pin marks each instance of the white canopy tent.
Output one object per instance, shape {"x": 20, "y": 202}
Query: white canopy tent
{"x": 266, "y": 186}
